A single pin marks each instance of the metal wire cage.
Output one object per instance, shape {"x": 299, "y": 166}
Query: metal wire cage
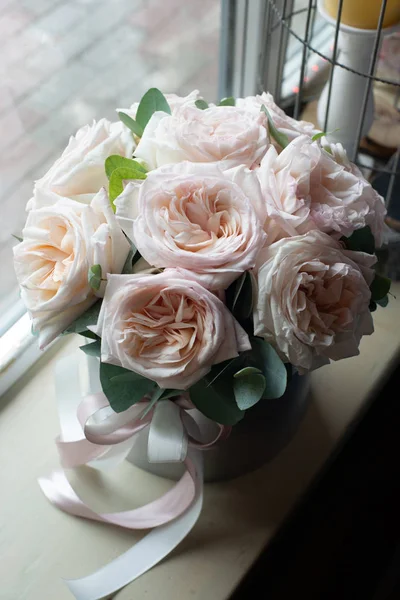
{"x": 323, "y": 64}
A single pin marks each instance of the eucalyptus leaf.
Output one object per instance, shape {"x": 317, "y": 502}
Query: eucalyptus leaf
{"x": 89, "y": 317}
{"x": 318, "y": 136}
{"x": 122, "y": 394}
{"x": 226, "y": 367}
{"x": 281, "y": 138}
{"x": 201, "y": 104}
{"x": 94, "y": 277}
{"x": 230, "y": 101}
{"x": 380, "y": 287}
{"x": 361, "y": 240}
{"x": 131, "y": 259}
{"x": 115, "y": 161}
{"x": 322, "y": 134}
{"x": 158, "y": 392}
{"x": 131, "y": 124}
{"x": 218, "y": 405}
{"x": 126, "y": 376}
{"x": 152, "y": 101}
{"x": 383, "y": 302}
{"x": 92, "y": 349}
{"x": 247, "y": 371}
{"x": 87, "y": 334}
{"x": 248, "y": 390}
{"x": 264, "y": 357}
{"x": 118, "y": 176}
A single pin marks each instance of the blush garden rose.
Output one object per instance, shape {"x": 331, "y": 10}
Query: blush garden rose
{"x": 313, "y": 299}
{"x": 309, "y": 187}
{"x": 290, "y": 127}
{"x": 79, "y": 172}
{"x": 223, "y": 134}
{"x": 166, "y": 327}
{"x": 60, "y": 243}
{"x": 196, "y": 217}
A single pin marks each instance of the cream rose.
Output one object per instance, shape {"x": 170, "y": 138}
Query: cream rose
{"x": 290, "y": 127}
{"x": 219, "y": 133}
{"x": 166, "y": 327}
{"x": 313, "y": 299}
{"x": 60, "y": 243}
{"x": 305, "y": 188}
{"x": 79, "y": 172}
{"x": 196, "y": 217}
{"x": 175, "y": 102}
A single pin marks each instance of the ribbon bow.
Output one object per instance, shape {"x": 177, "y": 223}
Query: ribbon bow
{"x": 93, "y": 434}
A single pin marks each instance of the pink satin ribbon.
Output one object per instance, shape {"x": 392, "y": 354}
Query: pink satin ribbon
{"x": 99, "y": 436}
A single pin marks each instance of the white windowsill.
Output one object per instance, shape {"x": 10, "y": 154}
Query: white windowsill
{"x": 19, "y": 350}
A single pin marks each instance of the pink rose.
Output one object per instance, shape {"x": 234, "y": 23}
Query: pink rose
{"x": 290, "y": 127}
{"x": 313, "y": 299}
{"x": 60, "y": 243}
{"x": 79, "y": 172}
{"x": 166, "y": 327}
{"x": 196, "y": 217}
{"x": 219, "y": 133}
{"x": 305, "y": 188}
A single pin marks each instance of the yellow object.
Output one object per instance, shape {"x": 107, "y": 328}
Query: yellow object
{"x": 364, "y": 14}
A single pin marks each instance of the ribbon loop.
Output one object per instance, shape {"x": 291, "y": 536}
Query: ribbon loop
{"x": 168, "y": 440}
{"x": 93, "y": 434}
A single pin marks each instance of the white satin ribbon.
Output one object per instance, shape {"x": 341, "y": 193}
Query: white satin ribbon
{"x": 168, "y": 442}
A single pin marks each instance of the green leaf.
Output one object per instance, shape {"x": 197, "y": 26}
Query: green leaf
{"x": 201, "y": 104}
{"x": 216, "y": 404}
{"x": 94, "y": 276}
{"x": 281, "y": 138}
{"x": 19, "y": 239}
{"x": 226, "y": 367}
{"x": 249, "y": 390}
{"x": 115, "y": 161}
{"x": 361, "y": 240}
{"x": 123, "y": 392}
{"x": 93, "y": 349}
{"x": 158, "y": 392}
{"x": 383, "y": 301}
{"x": 322, "y": 134}
{"x": 131, "y": 124}
{"x": 89, "y": 317}
{"x": 372, "y": 306}
{"x": 379, "y": 287}
{"x": 247, "y": 371}
{"x": 131, "y": 259}
{"x": 264, "y": 357}
{"x": 88, "y": 334}
{"x": 126, "y": 376}
{"x": 318, "y": 136}
{"x": 118, "y": 176}
{"x": 152, "y": 101}
{"x": 242, "y": 305}
{"x": 230, "y": 101}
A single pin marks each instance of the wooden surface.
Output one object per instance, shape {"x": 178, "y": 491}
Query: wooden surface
{"x": 39, "y": 544}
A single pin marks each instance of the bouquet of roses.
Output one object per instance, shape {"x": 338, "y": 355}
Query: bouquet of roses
{"x": 205, "y": 249}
